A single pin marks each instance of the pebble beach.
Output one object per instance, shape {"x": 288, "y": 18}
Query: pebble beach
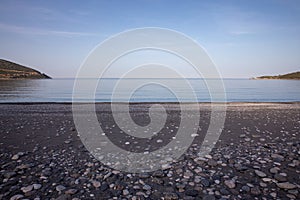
{"x": 256, "y": 157}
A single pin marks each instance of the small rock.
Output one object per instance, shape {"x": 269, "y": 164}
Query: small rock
{"x": 147, "y": 187}
{"x": 27, "y": 188}
{"x": 96, "y": 184}
{"x": 144, "y": 175}
{"x": 37, "y": 186}
{"x": 255, "y": 190}
{"x": 260, "y": 173}
{"x": 280, "y": 178}
{"x": 71, "y": 191}
{"x": 60, "y": 188}
{"x": 273, "y": 194}
{"x": 16, "y": 197}
{"x": 262, "y": 184}
{"x": 212, "y": 163}
{"x": 158, "y": 174}
{"x": 165, "y": 166}
{"x": 192, "y": 193}
{"x": 290, "y": 196}
{"x": 205, "y": 182}
{"x": 170, "y": 196}
{"x": 224, "y": 191}
{"x": 286, "y": 185}
{"x": 209, "y": 197}
{"x": 267, "y": 179}
{"x": 64, "y": 197}
{"x": 246, "y": 188}
{"x": 15, "y": 157}
{"x": 9, "y": 175}
{"x": 125, "y": 192}
{"x": 294, "y": 192}
{"x": 104, "y": 186}
{"x": 277, "y": 157}
{"x": 274, "y": 170}
{"x": 230, "y": 184}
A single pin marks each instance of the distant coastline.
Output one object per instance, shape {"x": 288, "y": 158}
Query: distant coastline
{"x": 10, "y": 70}
{"x": 289, "y": 76}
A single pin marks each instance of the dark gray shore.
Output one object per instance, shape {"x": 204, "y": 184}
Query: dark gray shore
{"x": 256, "y": 157}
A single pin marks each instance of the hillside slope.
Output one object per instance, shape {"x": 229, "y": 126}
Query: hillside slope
{"x": 10, "y": 70}
{"x": 292, "y": 76}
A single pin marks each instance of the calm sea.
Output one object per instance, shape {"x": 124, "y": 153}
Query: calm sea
{"x": 237, "y": 90}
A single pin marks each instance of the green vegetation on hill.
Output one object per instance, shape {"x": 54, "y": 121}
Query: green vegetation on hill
{"x": 10, "y": 70}
{"x": 293, "y": 76}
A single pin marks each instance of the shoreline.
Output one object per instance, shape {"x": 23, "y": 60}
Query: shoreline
{"x": 162, "y": 102}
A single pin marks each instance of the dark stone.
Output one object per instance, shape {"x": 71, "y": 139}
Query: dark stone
{"x": 104, "y": 186}
{"x": 170, "y": 196}
{"x": 205, "y": 182}
{"x": 246, "y": 188}
{"x": 255, "y": 190}
{"x": 280, "y": 178}
{"x": 209, "y": 197}
{"x": 64, "y": 197}
{"x": 158, "y": 174}
{"x": 224, "y": 191}
{"x": 192, "y": 193}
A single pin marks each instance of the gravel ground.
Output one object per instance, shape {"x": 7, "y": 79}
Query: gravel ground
{"x": 256, "y": 157}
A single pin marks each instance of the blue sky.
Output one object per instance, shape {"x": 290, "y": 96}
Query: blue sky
{"x": 244, "y": 38}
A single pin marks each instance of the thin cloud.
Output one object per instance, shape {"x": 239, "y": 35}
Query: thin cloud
{"x": 38, "y": 31}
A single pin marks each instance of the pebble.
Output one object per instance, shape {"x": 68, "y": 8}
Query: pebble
{"x": 209, "y": 197}
{"x": 294, "y": 192}
{"x": 273, "y": 194}
{"x": 280, "y": 178}
{"x": 96, "y": 184}
{"x": 212, "y": 163}
{"x": 277, "y": 157}
{"x": 147, "y": 187}
{"x": 165, "y": 166}
{"x": 205, "y": 182}
{"x": 15, "y": 157}
{"x": 260, "y": 173}
{"x": 16, "y": 197}
{"x": 158, "y": 174}
{"x": 286, "y": 185}
{"x": 170, "y": 196}
{"x": 255, "y": 190}
{"x": 246, "y": 188}
{"x": 274, "y": 170}
{"x": 63, "y": 197}
{"x": 71, "y": 191}
{"x": 27, "y": 188}
{"x": 9, "y": 175}
{"x": 230, "y": 184}
{"x": 37, "y": 186}
{"x": 60, "y": 188}
{"x": 192, "y": 193}
{"x": 267, "y": 179}
{"x": 125, "y": 192}
{"x": 224, "y": 191}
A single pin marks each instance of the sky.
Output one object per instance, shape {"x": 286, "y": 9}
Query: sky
{"x": 243, "y": 38}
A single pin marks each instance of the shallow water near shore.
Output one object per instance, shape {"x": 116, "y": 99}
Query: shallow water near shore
{"x": 237, "y": 90}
